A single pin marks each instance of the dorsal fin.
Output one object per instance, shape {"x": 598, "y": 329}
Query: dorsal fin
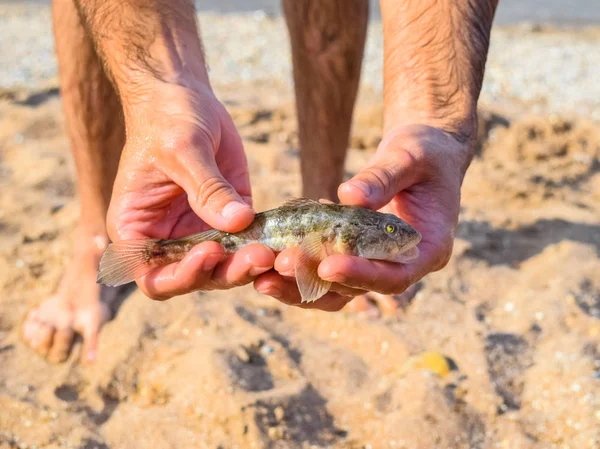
{"x": 296, "y": 202}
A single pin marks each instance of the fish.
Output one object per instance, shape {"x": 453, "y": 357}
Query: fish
{"x": 318, "y": 229}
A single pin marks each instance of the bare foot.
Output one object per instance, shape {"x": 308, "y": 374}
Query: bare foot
{"x": 80, "y": 306}
{"x": 375, "y": 304}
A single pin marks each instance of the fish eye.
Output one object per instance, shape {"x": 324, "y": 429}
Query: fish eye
{"x": 390, "y": 228}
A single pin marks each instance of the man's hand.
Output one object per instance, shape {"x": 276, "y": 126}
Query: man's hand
{"x": 434, "y": 58}
{"x": 182, "y": 171}
{"x": 183, "y": 168}
{"x": 415, "y": 174}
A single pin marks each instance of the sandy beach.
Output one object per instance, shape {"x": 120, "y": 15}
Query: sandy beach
{"x": 501, "y": 349}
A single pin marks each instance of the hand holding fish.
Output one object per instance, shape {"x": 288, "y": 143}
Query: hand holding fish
{"x": 416, "y": 175}
{"x": 183, "y": 170}
{"x": 334, "y": 252}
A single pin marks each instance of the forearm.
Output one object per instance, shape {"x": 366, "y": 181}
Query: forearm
{"x": 435, "y": 53}
{"x": 145, "y": 41}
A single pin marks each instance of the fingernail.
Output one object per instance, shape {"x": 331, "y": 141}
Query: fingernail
{"x": 362, "y": 186}
{"x": 256, "y": 271}
{"x": 271, "y": 291}
{"x": 211, "y": 262}
{"x": 91, "y": 356}
{"x": 234, "y": 208}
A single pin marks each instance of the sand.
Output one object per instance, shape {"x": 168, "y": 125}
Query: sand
{"x": 501, "y": 349}
{"x": 516, "y": 311}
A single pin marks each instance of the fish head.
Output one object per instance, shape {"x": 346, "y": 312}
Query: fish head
{"x": 387, "y": 237}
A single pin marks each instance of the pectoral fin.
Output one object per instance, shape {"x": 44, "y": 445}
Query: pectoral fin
{"x": 312, "y": 252}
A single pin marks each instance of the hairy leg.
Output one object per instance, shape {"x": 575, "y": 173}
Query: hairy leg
{"x": 97, "y": 134}
{"x": 327, "y": 40}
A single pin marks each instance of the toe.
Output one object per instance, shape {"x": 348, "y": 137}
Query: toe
{"x": 89, "y": 326}
{"x": 361, "y": 304}
{"x": 41, "y": 341}
{"x": 61, "y": 345}
{"x": 29, "y": 327}
{"x": 90, "y": 345}
{"x": 386, "y": 303}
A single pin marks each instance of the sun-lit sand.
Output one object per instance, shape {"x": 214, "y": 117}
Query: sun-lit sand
{"x": 511, "y": 327}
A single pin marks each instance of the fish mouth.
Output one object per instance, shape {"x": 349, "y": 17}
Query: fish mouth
{"x": 417, "y": 237}
{"x": 409, "y": 253}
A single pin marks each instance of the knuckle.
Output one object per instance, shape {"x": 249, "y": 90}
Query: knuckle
{"x": 210, "y": 189}
{"x": 171, "y": 141}
{"x": 382, "y": 177}
{"x": 188, "y": 284}
{"x": 202, "y": 136}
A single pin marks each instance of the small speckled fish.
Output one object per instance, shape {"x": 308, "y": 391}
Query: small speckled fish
{"x": 318, "y": 229}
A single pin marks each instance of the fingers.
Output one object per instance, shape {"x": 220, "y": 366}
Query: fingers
{"x": 214, "y": 199}
{"x": 285, "y": 261}
{"x": 243, "y": 266}
{"x": 233, "y": 162}
{"x": 282, "y": 286}
{"x": 285, "y": 290}
{"x": 376, "y": 185}
{"x": 191, "y": 273}
{"x": 374, "y": 275}
{"x": 202, "y": 269}
{"x": 284, "y": 265}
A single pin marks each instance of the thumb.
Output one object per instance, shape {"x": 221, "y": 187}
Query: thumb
{"x": 213, "y": 198}
{"x": 375, "y": 185}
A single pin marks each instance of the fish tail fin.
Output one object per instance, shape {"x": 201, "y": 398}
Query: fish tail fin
{"x": 125, "y": 261}
{"x": 128, "y": 260}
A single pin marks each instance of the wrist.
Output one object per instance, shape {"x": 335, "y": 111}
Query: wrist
{"x": 457, "y": 118}
{"x": 138, "y": 87}
{"x": 142, "y": 43}
{"x": 175, "y": 59}
{"x": 144, "y": 97}
{"x": 426, "y": 141}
